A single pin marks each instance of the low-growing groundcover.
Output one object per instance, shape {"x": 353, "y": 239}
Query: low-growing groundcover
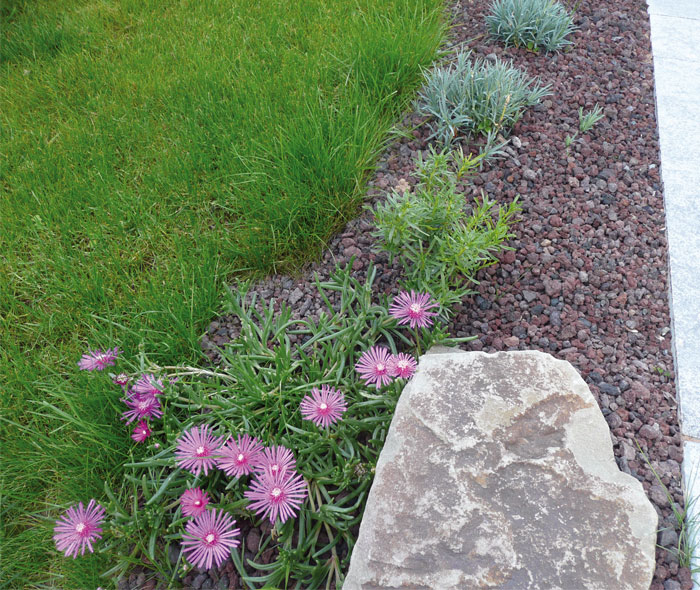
{"x": 321, "y": 410}
{"x": 474, "y": 95}
{"x": 253, "y": 439}
{"x": 533, "y": 24}
{"x": 148, "y": 150}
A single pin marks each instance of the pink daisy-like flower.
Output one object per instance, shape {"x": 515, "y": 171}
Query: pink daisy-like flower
{"x": 413, "y": 309}
{"x": 323, "y": 407}
{"x": 148, "y": 385}
{"x": 276, "y": 460}
{"x": 141, "y": 432}
{"x": 121, "y": 379}
{"x": 141, "y": 407}
{"x": 277, "y": 496}
{"x": 240, "y": 456}
{"x": 194, "y": 502}
{"x": 402, "y": 365}
{"x": 96, "y": 360}
{"x": 209, "y": 538}
{"x": 78, "y": 527}
{"x": 198, "y": 449}
{"x": 373, "y": 368}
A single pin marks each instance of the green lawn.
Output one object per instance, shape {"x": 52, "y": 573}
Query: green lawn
{"x": 149, "y": 150}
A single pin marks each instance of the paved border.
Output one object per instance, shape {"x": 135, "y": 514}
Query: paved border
{"x": 675, "y": 40}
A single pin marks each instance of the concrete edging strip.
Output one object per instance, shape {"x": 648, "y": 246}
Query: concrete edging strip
{"x": 675, "y": 41}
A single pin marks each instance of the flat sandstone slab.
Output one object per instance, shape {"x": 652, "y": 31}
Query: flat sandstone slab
{"x": 498, "y": 472}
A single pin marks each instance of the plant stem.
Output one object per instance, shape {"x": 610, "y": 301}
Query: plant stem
{"x": 418, "y": 347}
{"x": 330, "y": 538}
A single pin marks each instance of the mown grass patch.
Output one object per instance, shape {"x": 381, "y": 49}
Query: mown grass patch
{"x": 148, "y": 151}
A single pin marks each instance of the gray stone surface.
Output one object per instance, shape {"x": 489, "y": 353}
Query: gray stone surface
{"x": 679, "y": 131}
{"x": 681, "y": 198}
{"x": 675, "y": 37}
{"x": 689, "y": 9}
{"x": 672, "y": 79}
{"x": 498, "y": 472}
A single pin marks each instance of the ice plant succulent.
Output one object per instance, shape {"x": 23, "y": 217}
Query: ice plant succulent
{"x": 373, "y": 366}
{"x": 193, "y": 502}
{"x": 122, "y": 379}
{"x": 197, "y": 450}
{"x": 141, "y": 432}
{"x": 277, "y": 495}
{"x": 277, "y": 460}
{"x": 324, "y": 406}
{"x": 78, "y": 527}
{"x": 148, "y": 385}
{"x": 141, "y": 407}
{"x": 413, "y": 309}
{"x": 402, "y": 365}
{"x": 239, "y": 457}
{"x": 96, "y": 360}
{"x": 209, "y": 538}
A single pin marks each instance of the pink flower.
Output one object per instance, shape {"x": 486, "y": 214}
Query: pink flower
{"x": 141, "y": 432}
{"x": 413, "y": 309}
{"x": 277, "y": 496}
{"x": 373, "y": 368}
{"x": 148, "y": 385}
{"x": 276, "y": 461}
{"x": 194, "y": 502}
{"x": 121, "y": 379}
{"x": 324, "y": 407}
{"x": 402, "y": 365}
{"x": 78, "y": 527}
{"x": 209, "y": 538}
{"x": 96, "y": 360}
{"x": 141, "y": 406}
{"x": 239, "y": 457}
{"x": 197, "y": 449}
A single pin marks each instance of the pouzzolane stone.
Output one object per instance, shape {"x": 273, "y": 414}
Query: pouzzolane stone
{"x": 498, "y": 472}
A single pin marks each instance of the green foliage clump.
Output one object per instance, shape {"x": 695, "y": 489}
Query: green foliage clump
{"x": 475, "y": 96}
{"x": 257, "y": 390}
{"x": 586, "y": 121}
{"x": 532, "y": 24}
{"x": 440, "y": 246}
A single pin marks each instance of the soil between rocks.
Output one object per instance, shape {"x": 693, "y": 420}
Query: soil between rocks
{"x": 587, "y": 279}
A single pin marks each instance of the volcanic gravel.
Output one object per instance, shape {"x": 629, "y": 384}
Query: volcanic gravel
{"x": 587, "y": 279}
